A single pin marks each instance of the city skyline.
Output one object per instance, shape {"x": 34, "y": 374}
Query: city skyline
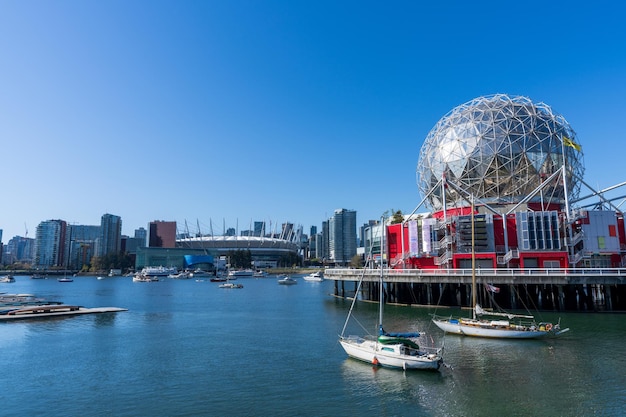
{"x": 275, "y": 110}
{"x": 184, "y": 228}
{"x": 59, "y": 244}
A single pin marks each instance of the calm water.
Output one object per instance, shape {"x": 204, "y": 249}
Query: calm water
{"x": 188, "y": 348}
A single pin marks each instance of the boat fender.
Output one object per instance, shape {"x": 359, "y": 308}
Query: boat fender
{"x": 548, "y": 327}
{"x": 375, "y": 361}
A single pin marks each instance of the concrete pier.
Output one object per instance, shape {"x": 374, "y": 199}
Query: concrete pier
{"x": 556, "y": 289}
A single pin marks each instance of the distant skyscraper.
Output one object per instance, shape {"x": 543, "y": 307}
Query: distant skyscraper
{"x": 84, "y": 240}
{"x": 142, "y": 235}
{"x": 342, "y": 236}
{"x": 162, "y": 234}
{"x": 370, "y": 223}
{"x": 110, "y": 241}
{"x": 287, "y": 231}
{"x": 313, "y": 247}
{"x": 19, "y": 249}
{"x": 50, "y": 243}
{"x": 130, "y": 244}
{"x": 259, "y": 228}
{"x": 323, "y": 251}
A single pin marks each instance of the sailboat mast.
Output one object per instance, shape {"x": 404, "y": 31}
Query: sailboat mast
{"x": 381, "y": 293}
{"x": 473, "y": 265}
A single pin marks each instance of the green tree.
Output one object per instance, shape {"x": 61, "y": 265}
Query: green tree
{"x": 356, "y": 261}
{"x": 240, "y": 258}
{"x": 120, "y": 260}
{"x": 290, "y": 260}
{"x": 397, "y": 217}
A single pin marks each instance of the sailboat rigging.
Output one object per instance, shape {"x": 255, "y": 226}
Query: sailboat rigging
{"x": 480, "y": 326}
{"x": 393, "y": 350}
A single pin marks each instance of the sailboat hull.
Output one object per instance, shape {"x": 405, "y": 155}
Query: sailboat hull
{"x": 389, "y": 356}
{"x": 485, "y": 328}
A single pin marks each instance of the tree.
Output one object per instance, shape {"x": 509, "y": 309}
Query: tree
{"x": 240, "y": 258}
{"x": 356, "y": 261}
{"x": 120, "y": 260}
{"x": 397, "y": 217}
{"x": 290, "y": 260}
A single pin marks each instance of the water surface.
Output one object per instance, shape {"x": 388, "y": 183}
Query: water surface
{"x": 188, "y": 348}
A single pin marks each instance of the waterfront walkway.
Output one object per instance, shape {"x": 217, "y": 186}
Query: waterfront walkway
{"x": 553, "y": 276}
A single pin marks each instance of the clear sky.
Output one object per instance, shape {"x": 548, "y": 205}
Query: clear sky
{"x": 230, "y": 111}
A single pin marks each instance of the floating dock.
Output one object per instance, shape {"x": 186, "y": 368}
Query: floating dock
{"x": 57, "y": 310}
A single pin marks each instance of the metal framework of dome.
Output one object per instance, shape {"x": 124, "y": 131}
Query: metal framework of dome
{"x": 499, "y": 149}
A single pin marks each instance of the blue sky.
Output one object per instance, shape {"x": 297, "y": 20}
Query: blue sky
{"x": 231, "y": 111}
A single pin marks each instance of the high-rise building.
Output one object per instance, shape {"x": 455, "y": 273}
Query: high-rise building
{"x": 110, "y": 241}
{"x": 142, "y": 235}
{"x": 162, "y": 234}
{"x": 323, "y": 250}
{"x": 83, "y": 242}
{"x": 370, "y": 223}
{"x": 286, "y": 231}
{"x": 19, "y": 249}
{"x": 342, "y": 236}
{"x": 259, "y": 228}
{"x": 50, "y": 243}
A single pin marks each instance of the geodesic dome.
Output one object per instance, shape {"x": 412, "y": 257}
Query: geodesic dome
{"x": 499, "y": 148}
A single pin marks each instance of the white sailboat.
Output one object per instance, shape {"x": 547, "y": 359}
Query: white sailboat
{"x": 500, "y": 325}
{"x": 393, "y": 350}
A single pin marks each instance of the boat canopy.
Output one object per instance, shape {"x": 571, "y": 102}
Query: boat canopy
{"x": 382, "y": 332}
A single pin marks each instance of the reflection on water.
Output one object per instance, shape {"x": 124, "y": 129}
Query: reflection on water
{"x": 393, "y": 389}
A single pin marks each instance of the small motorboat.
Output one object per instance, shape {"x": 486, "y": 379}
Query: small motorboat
{"x": 7, "y": 279}
{"x": 287, "y": 280}
{"x": 230, "y": 285}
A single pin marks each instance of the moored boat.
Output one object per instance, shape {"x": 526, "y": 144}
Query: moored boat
{"x": 479, "y": 325}
{"x": 393, "y": 350}
{"x": 240, "y": 273}
{"x": 287, "y": 280}
{"x": 230, "y": 285}
{"x": 199, "y": 273}
{"x": 314, "y": 276}
{"x": 144, "y": 278}
{"x": 158, "y": 271}
{"x": 7, "y": 279}
{"x": 180, "y": 275}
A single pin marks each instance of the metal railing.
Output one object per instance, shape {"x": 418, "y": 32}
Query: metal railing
{"x": 491, "y": 275}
